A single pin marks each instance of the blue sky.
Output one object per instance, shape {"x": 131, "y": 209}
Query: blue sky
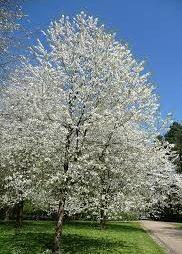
{"x": 153, "y": 30}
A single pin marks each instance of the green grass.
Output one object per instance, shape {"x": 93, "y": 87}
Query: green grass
{"x": 78, "y": 237}
{"x": 179, "y": 226}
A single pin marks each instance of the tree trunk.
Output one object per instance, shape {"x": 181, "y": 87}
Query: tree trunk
{"x": 7, "y": 214}
{"x": 102, "y": 219}
{"x": 59, "y": 227}
{"x": 19, "y": 214}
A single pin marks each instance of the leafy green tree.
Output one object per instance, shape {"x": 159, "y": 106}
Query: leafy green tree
{"x": 174, "y": 136}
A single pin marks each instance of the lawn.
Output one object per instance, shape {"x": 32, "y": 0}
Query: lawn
{"x": 78, "y": 237}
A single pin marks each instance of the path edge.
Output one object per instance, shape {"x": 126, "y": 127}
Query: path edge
{"x": 156, "y": 239}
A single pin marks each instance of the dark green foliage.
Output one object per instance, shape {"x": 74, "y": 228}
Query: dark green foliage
{"x": 32, "y": 213}
{"x": 78, "y": 237}
{"x": 174, "y": 136}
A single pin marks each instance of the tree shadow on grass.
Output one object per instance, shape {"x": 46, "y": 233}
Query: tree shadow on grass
{"x": 36, "y": 237}
{"x": 83, "y": 245}
{"x": 35, "y": 243}
{"x": 39, "y": 226}
{"x": 26, "y": 243}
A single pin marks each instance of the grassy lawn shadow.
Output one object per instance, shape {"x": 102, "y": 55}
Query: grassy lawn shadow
{"x": 80, "y": 244}
{"x": 78, "y": 237}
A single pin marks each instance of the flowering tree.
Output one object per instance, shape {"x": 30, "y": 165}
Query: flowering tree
{"x": 78, "y": 116}
{"x": 18, "y": 160}
{"x": 126, "y": 177}
{"x": 166, "y": 185}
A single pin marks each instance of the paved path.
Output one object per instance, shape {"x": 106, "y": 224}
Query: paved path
{"x": 166, "y": 234}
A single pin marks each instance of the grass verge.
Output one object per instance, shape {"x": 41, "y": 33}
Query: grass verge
{"x": 179, "y": 226}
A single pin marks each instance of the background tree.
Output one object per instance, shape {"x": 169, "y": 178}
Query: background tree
{"x": 170, "y": 209}
{"x": 174, "y": 136}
